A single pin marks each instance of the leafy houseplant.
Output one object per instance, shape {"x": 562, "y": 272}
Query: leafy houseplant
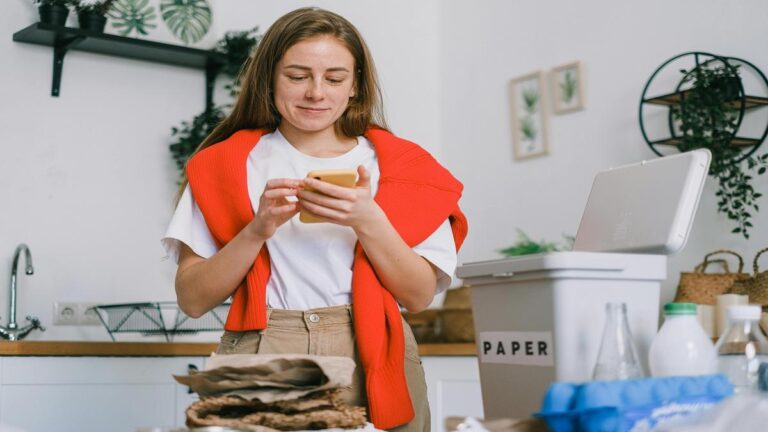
{"x": 708, "y": 116}
{"x": 53, "y": 11}
{"x": 92, "y": 14}
{"x": 191, "y": 133}
{"x": 235, "y": 47}
{"x": 526, "y": 246}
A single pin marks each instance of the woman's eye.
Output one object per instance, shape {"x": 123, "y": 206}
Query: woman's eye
{"x": 335, "y": 80}
{"x": 296, "y": 78}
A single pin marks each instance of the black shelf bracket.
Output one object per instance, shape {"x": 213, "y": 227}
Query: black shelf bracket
{"x": 211, "y": 71}
{"x": 63, "y": 39}
{"x": 60, "y": 48}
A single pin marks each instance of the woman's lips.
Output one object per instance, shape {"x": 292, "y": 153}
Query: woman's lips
{"x": 313, "y": 110}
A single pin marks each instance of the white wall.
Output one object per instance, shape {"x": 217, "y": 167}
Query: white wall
{"x": 620, "y": 44}
{"x": 87, "y": 180}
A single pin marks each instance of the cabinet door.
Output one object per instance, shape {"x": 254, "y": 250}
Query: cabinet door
{"x": 92, "y": 393}
{"x": 453, "y": 386}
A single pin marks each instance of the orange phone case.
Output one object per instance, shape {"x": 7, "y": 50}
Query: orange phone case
{"x": 339, "y": 177}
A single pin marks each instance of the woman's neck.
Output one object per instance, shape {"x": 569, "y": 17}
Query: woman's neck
{"x": 325, "y": 143}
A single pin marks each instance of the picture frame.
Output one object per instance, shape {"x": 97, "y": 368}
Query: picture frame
{"x": 567, "y": 82}
{"x": 529, "y": 116}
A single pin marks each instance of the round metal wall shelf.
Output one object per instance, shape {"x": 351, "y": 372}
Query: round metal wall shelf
{"x": 668, "y": 86}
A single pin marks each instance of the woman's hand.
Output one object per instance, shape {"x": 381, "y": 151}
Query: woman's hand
{"x": 274, "y": 207}
{"x": 352, "y": 207}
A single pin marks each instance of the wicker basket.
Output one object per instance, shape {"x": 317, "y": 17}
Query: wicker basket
{"x": 455, "y": 320}
{"x": 423, "y": 325}
{"x": 456, "y": 325}
{"x": 703, "y": 288}
{"x": 457, "y": 298}
{"x": 756, "y": 287}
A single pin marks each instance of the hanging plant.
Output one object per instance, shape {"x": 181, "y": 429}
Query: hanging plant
{"x": 235, "y": 47}
{"x": 708, "y": 116}
{"x": 191, "y": 133}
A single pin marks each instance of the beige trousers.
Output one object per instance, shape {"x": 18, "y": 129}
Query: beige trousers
{"x": 329, "y": 331}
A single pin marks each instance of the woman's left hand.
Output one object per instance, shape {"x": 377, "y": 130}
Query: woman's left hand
{"x": 353, "y": 207}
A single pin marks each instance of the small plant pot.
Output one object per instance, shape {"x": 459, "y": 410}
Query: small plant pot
{"x": 53, "y": 14}
{"x": 92, "y": 21}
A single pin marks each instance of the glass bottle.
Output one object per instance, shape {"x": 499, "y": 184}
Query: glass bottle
{"x": 742, "y": 348}
{"x": 617, "y": 358}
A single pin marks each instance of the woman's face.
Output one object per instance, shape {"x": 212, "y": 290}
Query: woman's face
{"x": 313, "y": 83}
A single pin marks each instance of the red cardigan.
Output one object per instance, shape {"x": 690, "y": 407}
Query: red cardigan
{"x": 417, "y": 195}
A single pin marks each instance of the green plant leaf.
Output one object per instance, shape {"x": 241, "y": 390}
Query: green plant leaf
{"x": 526, "y": 246}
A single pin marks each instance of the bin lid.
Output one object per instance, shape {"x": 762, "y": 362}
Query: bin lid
{"x": 618, "y": 265}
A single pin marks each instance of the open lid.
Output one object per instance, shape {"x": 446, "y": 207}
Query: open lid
{"x": 646, "y": 207}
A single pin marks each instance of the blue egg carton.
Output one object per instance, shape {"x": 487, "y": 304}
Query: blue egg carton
{"x": 629, "y": 405}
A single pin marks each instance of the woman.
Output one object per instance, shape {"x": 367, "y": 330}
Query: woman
{"x": 310, "y": 100}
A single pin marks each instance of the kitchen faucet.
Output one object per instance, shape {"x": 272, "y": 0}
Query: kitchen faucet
{"x": 12, "y": 331}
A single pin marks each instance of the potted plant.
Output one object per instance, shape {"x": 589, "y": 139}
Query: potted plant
{"x": 92, "y": 14}
{"x": 53, "y": 11}
{"x": 708, "y": 116}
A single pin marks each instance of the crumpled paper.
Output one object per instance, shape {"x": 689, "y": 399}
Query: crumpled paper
{"x": 269, "y": 377}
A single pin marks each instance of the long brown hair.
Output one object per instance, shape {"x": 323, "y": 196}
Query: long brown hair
{"x": 255, "y": 107}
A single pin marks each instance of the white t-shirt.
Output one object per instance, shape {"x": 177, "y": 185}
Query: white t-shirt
{"x": 311, "y": 263}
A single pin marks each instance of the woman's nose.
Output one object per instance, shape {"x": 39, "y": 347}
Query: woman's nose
{"x": 314, "y": 90}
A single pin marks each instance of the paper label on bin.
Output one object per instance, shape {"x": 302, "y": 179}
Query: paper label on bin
{"x": 521, "y": 348}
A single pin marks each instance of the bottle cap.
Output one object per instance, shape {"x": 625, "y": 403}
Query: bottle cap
{"x": 680, "y": 309}
{"x": 743, "y": 312}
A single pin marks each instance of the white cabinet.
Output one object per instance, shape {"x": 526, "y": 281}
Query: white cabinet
{"x": 42, "y": 394}
{"x": 121, "y": 394}
{"x": 453, "y": 386}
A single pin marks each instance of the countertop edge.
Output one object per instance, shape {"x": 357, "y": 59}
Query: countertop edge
{"x": 165, "y": 349}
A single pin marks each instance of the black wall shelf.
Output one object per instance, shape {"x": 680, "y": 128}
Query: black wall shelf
{"x": 63, "y": 39}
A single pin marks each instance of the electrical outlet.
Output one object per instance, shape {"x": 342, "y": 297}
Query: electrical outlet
{"x": 65, "y": 313}
{"x": 72, "y": 314}
{"x": 88, "y": 315}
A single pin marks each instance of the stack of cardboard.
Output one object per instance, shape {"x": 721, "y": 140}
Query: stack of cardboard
{"x": 273, "y": 392}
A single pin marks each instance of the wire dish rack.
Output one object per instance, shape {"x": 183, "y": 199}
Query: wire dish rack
{"x": 158, "y": 318}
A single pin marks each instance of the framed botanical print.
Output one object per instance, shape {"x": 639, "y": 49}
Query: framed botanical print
{"x": 567, "y": 88}
{"x": 529, "y": 116}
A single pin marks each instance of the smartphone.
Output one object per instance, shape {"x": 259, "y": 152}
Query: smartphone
{"x": 339, "y": 177}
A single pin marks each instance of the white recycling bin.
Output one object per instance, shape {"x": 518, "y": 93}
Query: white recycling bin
{"x": 539, "y": 319}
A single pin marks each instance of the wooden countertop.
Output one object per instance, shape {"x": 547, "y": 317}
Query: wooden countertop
{"x": 162, "y": 349}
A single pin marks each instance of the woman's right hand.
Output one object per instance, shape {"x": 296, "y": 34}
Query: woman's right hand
{"x": 274, "y": 207}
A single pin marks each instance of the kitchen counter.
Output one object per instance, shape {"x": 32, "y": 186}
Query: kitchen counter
{"x": 163, "y": 349}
